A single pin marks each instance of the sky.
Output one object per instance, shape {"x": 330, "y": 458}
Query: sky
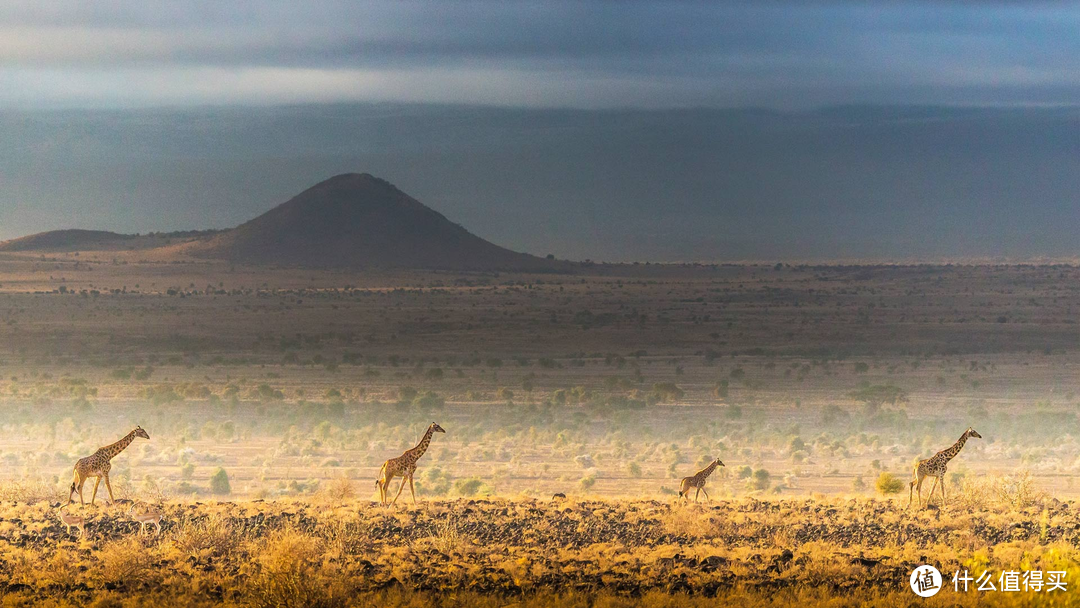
{"x": 592, "y": 129}
{"x": 582, "y": 54}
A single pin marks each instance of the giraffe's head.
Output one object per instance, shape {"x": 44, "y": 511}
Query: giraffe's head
{"x": 139, "y": 432}
{"x": 718, "y": 463}
{"x": 437, "y": 428}
{"x": 973, "y": 433}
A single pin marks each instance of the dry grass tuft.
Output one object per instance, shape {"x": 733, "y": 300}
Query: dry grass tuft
{"x": 287, "y": 573}
{"x": 29, "y": 491}
{"x": 339, "y": 490}
{"x": 202, "y": 537}
{"x": 127, "y": 562}
{"x": 1000, "y": 492}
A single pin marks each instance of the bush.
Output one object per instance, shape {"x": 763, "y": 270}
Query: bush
{"x": 667, "y": 391}
{"x": 468, "y": 487}
{"x": 204, "y": 537}
{"x": 761, "y": 479}
{"x": 887, "y": 483}
{"x": 588, "y": 481}
{"x": 428, "y": 400}
{"x": 287, "y": 573}
{"x": 219, "y": 482}
{"x": 339, "y": 490}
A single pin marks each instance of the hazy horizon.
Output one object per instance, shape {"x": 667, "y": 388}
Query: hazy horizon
{"x": 843, "y": 183}
{"x": 652, "y": 130}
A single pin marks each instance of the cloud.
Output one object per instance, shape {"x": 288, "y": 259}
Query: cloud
{"x": 583, "y": 53}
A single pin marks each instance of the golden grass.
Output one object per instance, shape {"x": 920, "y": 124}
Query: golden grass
{"x": 829, "y": 552}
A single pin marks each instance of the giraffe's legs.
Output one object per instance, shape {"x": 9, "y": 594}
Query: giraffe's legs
{"x": 386, "y": 488}
{"x": 96, "y": 484}
{"x": 706, "y": 494}
{"x": 400, "y": 488}
{"x": 76, "y": 486}
{"x": 82, "y": 486}
{"x": 412, "y": 490}
{"x": 108, "y": 486}
{"x": 696, "y": 494}
{"x": 931, "y": 494}
{"x": 943, "y": 491}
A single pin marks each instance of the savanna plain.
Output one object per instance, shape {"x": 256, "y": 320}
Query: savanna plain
{"x": 573, "y": 405}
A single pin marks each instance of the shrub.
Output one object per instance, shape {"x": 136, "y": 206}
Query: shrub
{"x": 667, "y": 391}
{"x": 287, "y": 573}
{"x": 29, "y": 491}
{"x": 339, "y": 490}
{"x": 428, "y": 400}
{"x": 468, "y": 487}
{"x": 858, "y": 485}
{"x": 407, "y": 393}
{"x": 219, "y": 482}
{"x": 127, "y": 562}
{"x": 205, "y": 537}
{"x": 720, "y": 389}
{"x": 588, "y": 481}
{"x": 761, "y": 479}
{"x": 887, "y": 483}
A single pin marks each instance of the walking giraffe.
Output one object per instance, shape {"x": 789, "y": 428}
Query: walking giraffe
{"x": 697, "y": 480}
{"x": 98, "y": 465}
{"x": 935, "y": 467}
{"x": 405, "y": 466}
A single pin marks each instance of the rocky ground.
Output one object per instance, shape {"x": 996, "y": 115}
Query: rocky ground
{"x": 499, "y": 551}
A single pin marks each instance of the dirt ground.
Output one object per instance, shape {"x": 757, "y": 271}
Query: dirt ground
{"x": 818, "y": 386}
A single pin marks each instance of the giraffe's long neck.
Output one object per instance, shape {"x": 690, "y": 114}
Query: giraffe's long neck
{"x": 113, "y": 449}
{"x": 707, "y": 470}
{"x": 951, "y": 453}
{"x": 422, "y": 447}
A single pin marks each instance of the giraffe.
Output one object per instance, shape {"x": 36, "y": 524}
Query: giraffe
{"x": 935, "y": 467}
{"x": 98, "y": 465}
{"x": 697, "y": 480}
{"x": 405, "y": 466}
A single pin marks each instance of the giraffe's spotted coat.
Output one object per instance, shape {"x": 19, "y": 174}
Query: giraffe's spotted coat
{"x": 99, "y": 464}
{"x": 404, "y": 466}
{"x": 697, "y": 480}
{"x": 936, "y": 466}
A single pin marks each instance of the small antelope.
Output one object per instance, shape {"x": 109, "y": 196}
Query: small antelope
{"x": 72, "y": 521}
{"x": 151, "y": 516}
{"x": 697, "y": 480}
